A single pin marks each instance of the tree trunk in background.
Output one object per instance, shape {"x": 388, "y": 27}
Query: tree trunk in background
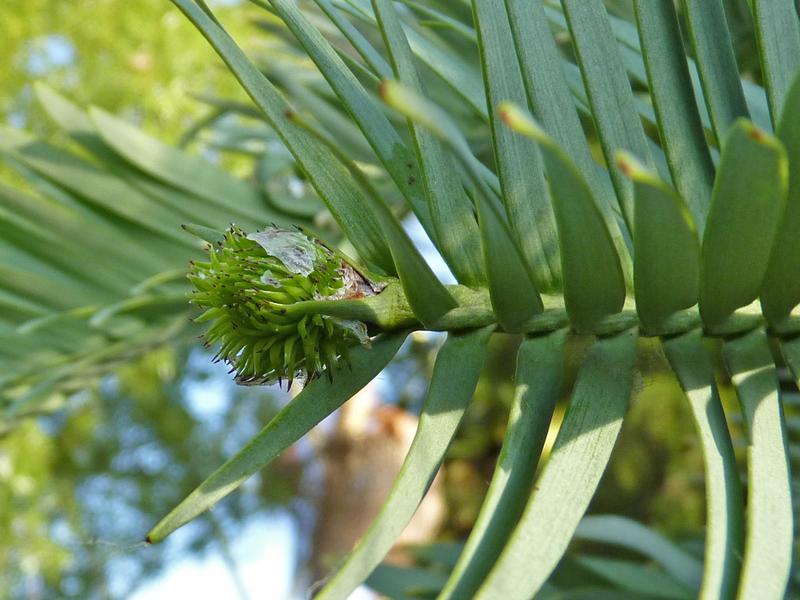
{"x": 361, "y": 458}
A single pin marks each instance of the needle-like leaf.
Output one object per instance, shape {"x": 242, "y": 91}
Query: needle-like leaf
{"x": 548, "y": 92}
{"x": 724, "y": 514}
{"x": 540, "y": 365}
{"x": 331, "y": 180}
{"x": 636, "y": 579}
{"x": 192, "y": 174}
{"x": 398, "y": 160}
{"x": 780, "y": 292}
{"x": 514, "y": 295}
{"x": 594, "y": 286}
{"x": 768, "y": 542}
{"x": 778, "y": 36}
{"x": 462, "y": 76}
{"x": 568, "y": 481}
{"x": 716, "y": 62}
{"x": 680, "y": 128}
{"x": 455, "y": 375}
{"x": 519, "y": 162}
{"x": 666, "y": 248}
{"x": 102, "y": 190}
{"x": 451, "y": 210}
{"x": 626, "y": 533}
{"x": 371, "y": 56}
{"x": 608, "y": 90}
{"x": 317, "y": 400}
{"x": 747, "y": 204}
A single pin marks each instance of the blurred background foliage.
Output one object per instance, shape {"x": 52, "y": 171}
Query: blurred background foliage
{"x": 141, "y": 61}
{"x": 83, "y": 477}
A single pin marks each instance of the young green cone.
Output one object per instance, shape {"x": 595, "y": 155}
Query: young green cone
{"x": 248, "y": 288}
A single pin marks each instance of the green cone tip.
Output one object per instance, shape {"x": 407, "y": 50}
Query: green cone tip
{"x": 248, "y": 288}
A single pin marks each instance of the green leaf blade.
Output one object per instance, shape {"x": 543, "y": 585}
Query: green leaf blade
{"x": 777, "y": 28}
{"x": 515, "y": 298}
{"x": 452, "y": 385}
{"x": 568, "y": 482}
{"x": 189, "y": 173}
{"x": 666, "y": 247}
{"x": 549, "y": 94}
{"x": 594, "y": 284}
{"x": 748, "y": 201}
{"x": 331, "y": 180}
{"x": 626, "y": 533}
{"x": 461, "y": 75}
{"x": 317, "y": 400}
{"x": 71, "y": 225}
{"x": 395, "y": 156}
{"x": 451, "y": 211}
{"x": 725, "y": 509}
{"x": 780, "y": 292}
{"x": 769, "y": 538}
{"x": 538, "y": 386}
{"x": 105, "y": 193}
{"x": 362, "y": 45}
{"x": 635, "y": 578}
{"x": 514, "y": 295}
{"x": 519, "y": 162}
{"x": 679, "y": 124}
{"x": 716, "y": 63}
{"x": 428, "y": 297}
{"x": 404, "y": 583}
{"x": 608, "y": 90}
